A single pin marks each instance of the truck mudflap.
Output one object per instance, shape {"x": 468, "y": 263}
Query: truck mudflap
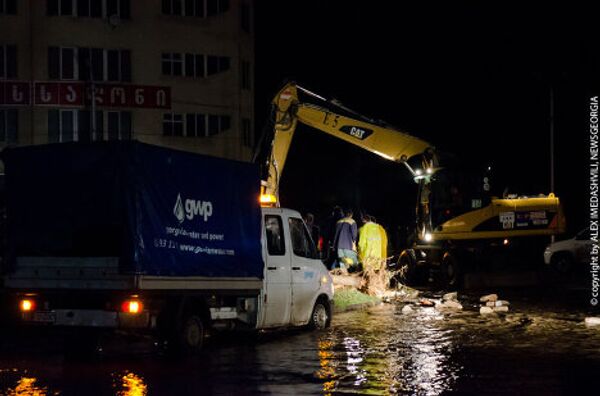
{"x": 89, "y": 318}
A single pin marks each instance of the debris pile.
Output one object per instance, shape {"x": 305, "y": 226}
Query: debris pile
{"x": 592, "y": 321}
{"x": 449, "y": 303}
{"x": 491, "y": 304}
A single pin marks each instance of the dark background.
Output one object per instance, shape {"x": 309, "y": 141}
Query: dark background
{"x": 472, "y": 78}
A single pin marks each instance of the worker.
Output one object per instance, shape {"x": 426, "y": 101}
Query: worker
{"x": 384, "y": 243}
{"x": 346, "y": 234}
{"x": 328, "y": 231}
{"x": 369, "y": 244}
{"x": 315, "y": 233}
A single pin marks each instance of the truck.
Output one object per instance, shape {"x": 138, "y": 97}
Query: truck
{"x": 459, "y": 222}
{"x": 129, "y": 237}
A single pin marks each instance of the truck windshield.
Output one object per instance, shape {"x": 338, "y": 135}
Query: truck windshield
{"x": 302, "y": 243}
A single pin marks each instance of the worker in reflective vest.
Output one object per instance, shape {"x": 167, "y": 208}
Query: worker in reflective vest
{"x": 370, "y": 250}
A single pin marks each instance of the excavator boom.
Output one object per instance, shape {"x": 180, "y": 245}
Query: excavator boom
{"x": 370, "y": 135}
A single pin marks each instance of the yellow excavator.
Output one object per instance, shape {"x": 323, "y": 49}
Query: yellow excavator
{"x": 451, "y": 232}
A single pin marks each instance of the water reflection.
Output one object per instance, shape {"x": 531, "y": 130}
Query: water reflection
{"x": 130, "y": 384}
{"x": 27, "y": 386}
{"x": 379, "y": 351}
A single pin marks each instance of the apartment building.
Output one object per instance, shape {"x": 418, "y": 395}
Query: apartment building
{"x": 175, "y": 73}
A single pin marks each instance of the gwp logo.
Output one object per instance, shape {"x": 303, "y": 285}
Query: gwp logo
{"x": 191, "y": 208}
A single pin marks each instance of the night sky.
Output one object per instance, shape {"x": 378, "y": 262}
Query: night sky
{"x": 472, "y": 78}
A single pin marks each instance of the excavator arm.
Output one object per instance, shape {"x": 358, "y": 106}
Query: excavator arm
{"x": 373, "y": 136}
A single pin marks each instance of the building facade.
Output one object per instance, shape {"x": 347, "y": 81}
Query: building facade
{"x": 175, "y": 73}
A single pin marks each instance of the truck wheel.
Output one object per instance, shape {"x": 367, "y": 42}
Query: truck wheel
{"x": 320, "y": 318}
{"x": 451, "y": 272}
{"x": 562, "y": 262}
{"x": 191, "y": 335}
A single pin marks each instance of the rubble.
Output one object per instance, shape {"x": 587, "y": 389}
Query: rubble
{"x": 407, "y": 309}
{"x": 486, "y": 310}
{"x": 425, "y": 302}
{"x": 449, "y": 305}
{"x": 592, "y": 321}
{"x": 450, "y": 296}
{"x": 491, "y": 304}
{"x": 406, "y": 293}
{"x": 489, "y": 297}
{"x": 499, "y": 303}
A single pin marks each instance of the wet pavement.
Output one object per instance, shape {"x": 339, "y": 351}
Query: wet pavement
{"x": 540, "y": 347}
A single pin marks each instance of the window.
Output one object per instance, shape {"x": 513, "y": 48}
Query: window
{"x": 193, "y": 65}
{"x": 85, "y": 130}
{"x": 216, "y": 64}
{"x": 172, "y": 124}
{"x": 172, "y": 64}
{"x": 59, "y": 7}
{"x": 8, "y": 61}
{"x": 119, "y": 125}
{"x": 246, "y": 132}
{"x": 246, "y": 76}
{"x": 118, "y": 65}
{"x": 183, "y": 7}
{"x": 195, "y": 124}
{"x": 214, "y": 7}
{"x": 89, "y": 64}
{"x": 9, "y": 126}
{"x": 275, "y": 236}
{"x": 302, "y": 243}
{"x": 195, "y": 8}
{"x": 62, "y": 64}
{"x": 218, "y": 123}
{"x": 120, "y": 8}
{"x": 89, "y": 8}
{"x": 8, "y": 7}
{"x": 62, "y": 126}
{"x": 74, "y": 125}
{"x": 245, "y": 17}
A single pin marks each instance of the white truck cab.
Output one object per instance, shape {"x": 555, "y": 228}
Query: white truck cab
{"x": 298, "y": 289}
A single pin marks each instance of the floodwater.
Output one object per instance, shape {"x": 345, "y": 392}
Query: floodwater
{"x": 541, "y": 347}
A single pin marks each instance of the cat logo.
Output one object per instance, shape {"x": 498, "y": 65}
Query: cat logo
{"x": 356, "y": 131}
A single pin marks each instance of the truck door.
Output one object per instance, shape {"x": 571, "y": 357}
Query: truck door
{"x": 305, "y": 273}
{"x": 278, "y": 293}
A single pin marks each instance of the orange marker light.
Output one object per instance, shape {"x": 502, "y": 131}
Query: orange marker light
{"x": 268, "y": 199}
{"x": 132, "y": 306}
{"x": 26, "y": 305}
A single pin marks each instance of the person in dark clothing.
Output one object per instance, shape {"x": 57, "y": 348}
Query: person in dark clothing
{"x": 346, "y": 235}
{"x": 314, "y": 230}
{"x": 328, "y": 233}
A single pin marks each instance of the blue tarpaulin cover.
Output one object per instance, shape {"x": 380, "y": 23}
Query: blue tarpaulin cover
{"x": 161, "y": 211}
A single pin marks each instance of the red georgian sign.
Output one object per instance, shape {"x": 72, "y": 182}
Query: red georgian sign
{"x": 15, "y": 93}
{"x": 79, "y": 94}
